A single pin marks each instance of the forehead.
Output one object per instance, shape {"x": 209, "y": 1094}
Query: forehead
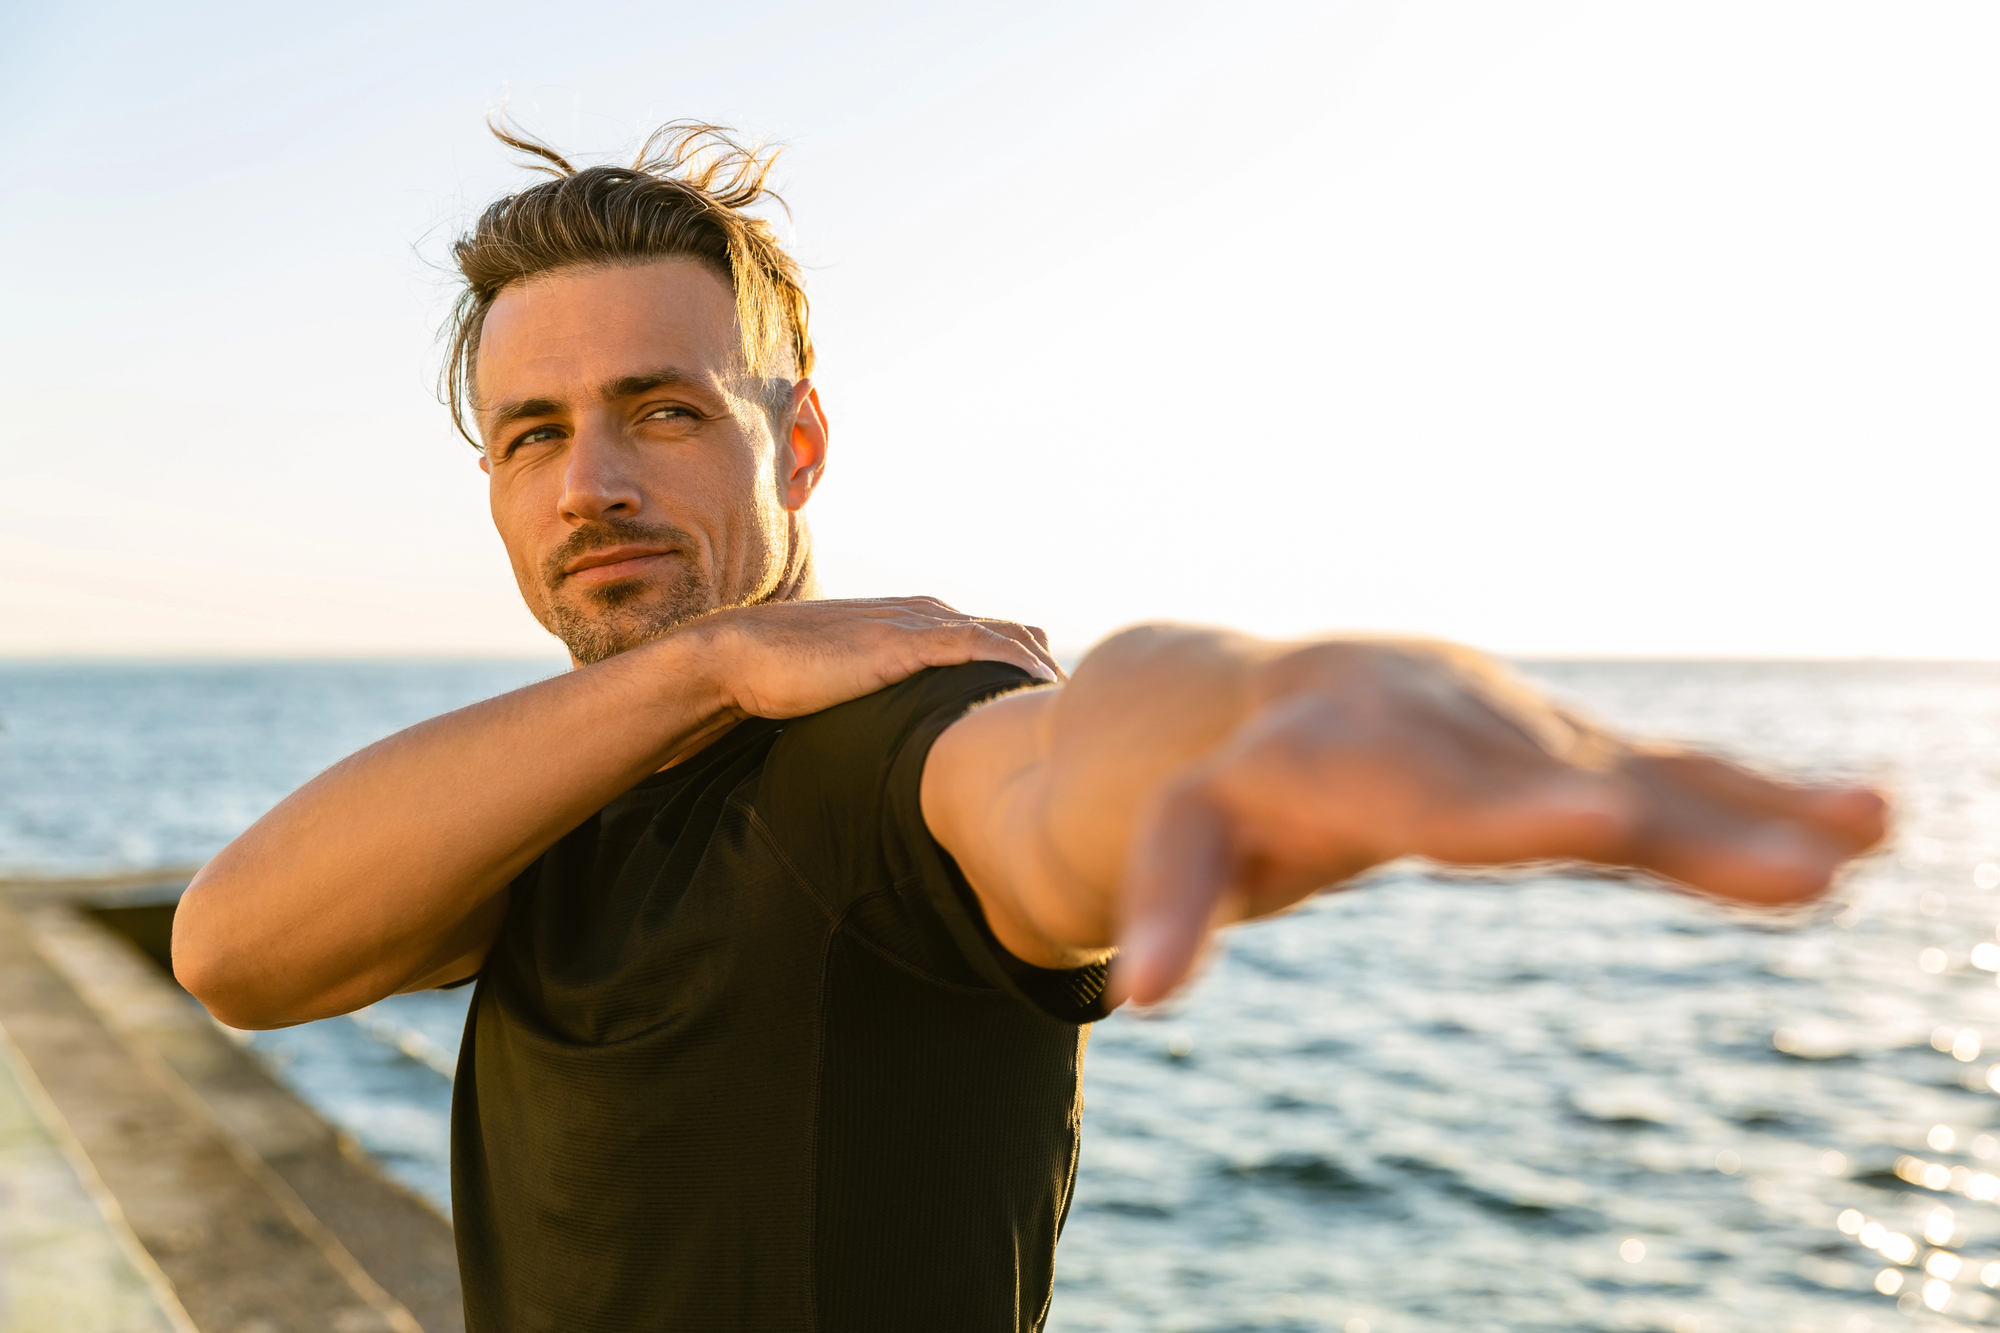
{"x": 588, "y": 326}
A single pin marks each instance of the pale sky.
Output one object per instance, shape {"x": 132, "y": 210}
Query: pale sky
{"x": 1589, "y": 328}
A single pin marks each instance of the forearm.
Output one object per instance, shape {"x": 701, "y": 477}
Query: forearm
{"x": 389, "y": 870}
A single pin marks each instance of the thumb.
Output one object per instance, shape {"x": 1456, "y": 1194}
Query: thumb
{"x": 1180, "y": 868}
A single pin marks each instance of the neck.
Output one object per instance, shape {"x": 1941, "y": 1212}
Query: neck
{"x": 800, "y": 580}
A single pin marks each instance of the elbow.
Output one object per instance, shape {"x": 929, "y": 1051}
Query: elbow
{"x": 200, "y": 966}
{"x": 208, "y": 980}
{"x": 226, "y": 999}
{"x": 208, "y": 968}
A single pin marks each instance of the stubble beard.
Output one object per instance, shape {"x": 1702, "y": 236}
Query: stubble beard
{"x": 599, "y": 623}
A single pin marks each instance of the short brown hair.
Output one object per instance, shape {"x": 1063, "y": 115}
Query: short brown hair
{"x": 683, "y": 196}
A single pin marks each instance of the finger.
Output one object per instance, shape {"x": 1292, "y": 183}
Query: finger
{"x": 1767, "y": 863}
{"x": 1588, "y": 818}
{"x": 1178, "y": 874}
{"x": 1041, "y": 639}
{"x": 1319, "y": 789}
{"x": 1719, "y": 780}
{"x": 933, "y": 607}
{"x": 1030, "y": 638}
{"x": 1572, "y": 816}
{"x": 1854, "y": 817}
{"x": 1736, "y": 834}
{"x": 1046, "y": 653}
{"x": 983, "y": 634}
{"x": 950, "y": 645}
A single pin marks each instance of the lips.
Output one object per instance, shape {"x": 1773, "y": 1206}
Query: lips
{"x": 614, "y": 563}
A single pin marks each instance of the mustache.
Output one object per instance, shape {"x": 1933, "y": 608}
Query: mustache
{"x": 607, "y": 533}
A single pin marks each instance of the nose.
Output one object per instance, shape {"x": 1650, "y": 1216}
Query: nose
{"x": 598, "y": 481}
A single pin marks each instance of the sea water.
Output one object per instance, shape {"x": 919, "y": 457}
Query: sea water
{"x": 1428, "y": 1104}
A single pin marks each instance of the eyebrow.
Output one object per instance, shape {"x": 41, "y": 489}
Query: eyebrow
{"x": 626, "y": 386}
{"x": 525, "y": 407}
{"x": 631, "y": 386}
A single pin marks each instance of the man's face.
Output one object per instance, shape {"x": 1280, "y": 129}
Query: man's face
{"x": 638, "y": 477}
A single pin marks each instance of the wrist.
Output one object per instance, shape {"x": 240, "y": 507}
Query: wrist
{"x": 695, "y": 666}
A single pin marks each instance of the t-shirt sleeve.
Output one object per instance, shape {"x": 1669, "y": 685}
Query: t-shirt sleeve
{"x": 843, "y": 790}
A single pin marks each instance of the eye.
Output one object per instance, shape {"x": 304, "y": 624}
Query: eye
{"x": 539, "y": 435}
{"x": 669, "y": 412}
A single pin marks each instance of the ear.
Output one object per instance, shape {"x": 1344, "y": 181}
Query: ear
{"x": 485, "y": 463}
{"x": 802, "y": 457}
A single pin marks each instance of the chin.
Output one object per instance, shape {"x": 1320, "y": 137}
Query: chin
{"x": 610, "y": 620}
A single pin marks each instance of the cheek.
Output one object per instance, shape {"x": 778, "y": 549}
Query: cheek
{"x": 762, "y": 501}
{"x": 521, "y": 528}
{"x": 741, "y": 484}
{"x": 500, "y": 503}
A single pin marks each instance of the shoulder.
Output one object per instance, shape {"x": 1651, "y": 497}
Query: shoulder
{"x": 882, "y": 725}
{"x": 840, "y": 787}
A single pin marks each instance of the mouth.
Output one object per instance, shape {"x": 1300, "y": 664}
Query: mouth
{"x": 614, "y": 563}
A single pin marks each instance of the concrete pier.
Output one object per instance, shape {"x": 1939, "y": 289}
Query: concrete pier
{"x": 153, "y": 1176}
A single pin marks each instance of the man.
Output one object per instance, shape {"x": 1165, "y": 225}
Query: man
{"x": 787, "y": 916}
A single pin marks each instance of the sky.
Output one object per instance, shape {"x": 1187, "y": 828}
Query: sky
{"x": 1596, "y": 328}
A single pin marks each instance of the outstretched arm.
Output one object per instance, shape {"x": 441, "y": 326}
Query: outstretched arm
{"x": 388, "y": 872}
{"x": 1185, "y": 779}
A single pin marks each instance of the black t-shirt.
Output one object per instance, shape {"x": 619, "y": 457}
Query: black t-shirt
{"x": 746, "y": 1057}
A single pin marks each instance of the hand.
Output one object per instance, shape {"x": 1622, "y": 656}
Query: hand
{"x": 1360, "y": 753}
{"x": 787, "y": 659}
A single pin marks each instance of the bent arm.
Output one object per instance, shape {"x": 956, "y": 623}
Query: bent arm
{"x": 388, "y": 872}
{"x": 1186, "y": 778}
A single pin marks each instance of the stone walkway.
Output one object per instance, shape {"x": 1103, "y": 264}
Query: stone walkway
{"x": 68, "y": 1263}
{"x": 153, "y": 1177}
